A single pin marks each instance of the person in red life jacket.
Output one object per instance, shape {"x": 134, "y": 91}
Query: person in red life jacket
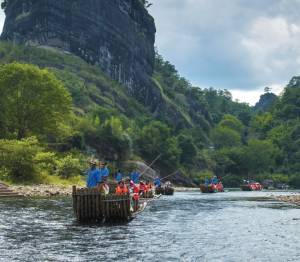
{"x": 121, "y": 189}
{"x": 142, "y": 187}
{"x": 136, "y": 195}
{"x": 148, "y": 185}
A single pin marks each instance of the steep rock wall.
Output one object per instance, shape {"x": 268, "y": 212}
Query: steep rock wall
{"x": 117, "y": 35}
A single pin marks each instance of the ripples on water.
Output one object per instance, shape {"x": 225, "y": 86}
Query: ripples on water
{"x": 233, "y": 226}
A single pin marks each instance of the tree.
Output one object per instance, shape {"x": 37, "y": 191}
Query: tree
{"x": 261, "y": 124}
{"x": 156, "y": 139}
{"x": 225, "y": 137}
{"x": 259, "y": 156}
{"x": 188, "y": 149}
{"x": 32, "y": 102}
{"x": 267, "y": 89}
{"x": 229, "y": 121}
{"x": 111, "y": 140}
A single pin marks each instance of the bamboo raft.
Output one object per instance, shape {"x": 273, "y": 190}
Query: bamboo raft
{"x": 164, "y": 191}
{"x": 91, "y": 206}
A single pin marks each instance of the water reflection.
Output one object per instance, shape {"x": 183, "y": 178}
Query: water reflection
{"x": 233, "y": 226}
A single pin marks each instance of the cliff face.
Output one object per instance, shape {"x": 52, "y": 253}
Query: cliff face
{"x": 117, "y": 35}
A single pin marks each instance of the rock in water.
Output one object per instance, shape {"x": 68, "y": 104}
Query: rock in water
{"x": 117, "y": 35}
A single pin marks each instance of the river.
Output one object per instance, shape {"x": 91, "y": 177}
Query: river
{"x": 189, "y": 226}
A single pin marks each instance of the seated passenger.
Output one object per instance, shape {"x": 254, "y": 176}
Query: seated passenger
{"x": 121, "y": 189}
{"x": 142, "y": 187}
{"x": 103, "y": 188}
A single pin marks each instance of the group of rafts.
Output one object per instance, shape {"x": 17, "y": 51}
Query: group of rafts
{"x": 215, "y": 186}
{"x": 106, "y": 199}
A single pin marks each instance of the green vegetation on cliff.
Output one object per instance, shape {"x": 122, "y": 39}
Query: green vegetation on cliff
{"x": 197, "y": 131}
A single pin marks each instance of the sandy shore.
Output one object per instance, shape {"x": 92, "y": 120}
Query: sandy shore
{"x": 42, "y": 190}
{"x": 294, "y": 199}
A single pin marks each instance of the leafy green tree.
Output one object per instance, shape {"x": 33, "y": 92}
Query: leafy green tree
{"x": 225, "y": 137}
{"x": 289, "y": 104}
{"x": 261, "y": 124}
{"x": 188, "y": 149}
{"x": 156, "y": 139}
{"x": 259, "y": 156}
{"x": 32, "y": 102}
{"x": 110, "y": 140}
{"x": 230, "y": 121}
{"x": 295, "y": 180}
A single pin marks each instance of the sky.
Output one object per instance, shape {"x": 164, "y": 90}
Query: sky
{"x": 239, "y": 45}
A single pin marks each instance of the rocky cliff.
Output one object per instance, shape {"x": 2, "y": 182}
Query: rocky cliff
{"x": 117, "y": 35}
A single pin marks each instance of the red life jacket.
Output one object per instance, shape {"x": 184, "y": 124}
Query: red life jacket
{"x": 121, "y": 190}
{"x": 136, "y": 197}
{"x": 142, "y": 187}
{"x": 136, "y": 189}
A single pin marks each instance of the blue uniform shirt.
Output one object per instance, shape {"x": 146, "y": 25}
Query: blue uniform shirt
{"x": 119, "y": 177}
{"x": 157, "y": 182}
{"x": 215, "y": 180}
{"x": 135, "y": 177}
{"x": 94, "y": 177}
{"x": 104, "y": 172}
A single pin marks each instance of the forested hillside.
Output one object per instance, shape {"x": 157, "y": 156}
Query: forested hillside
{"x": 108, "y": 122}
{"x": 198, "y": 132}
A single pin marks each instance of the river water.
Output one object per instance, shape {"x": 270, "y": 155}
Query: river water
{"x": 189, "y": 226}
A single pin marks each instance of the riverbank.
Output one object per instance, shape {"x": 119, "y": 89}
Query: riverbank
{"x": 294, "y": 199}
{"x": 60, "y": 190}
{"x": 42, "y": 190}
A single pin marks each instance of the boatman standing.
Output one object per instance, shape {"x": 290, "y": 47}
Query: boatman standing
{"x": 135, "y": 177}
{"x": 157, "y": 182}
{"x": 94, "y": 175}
{"x": 119, "y": 176}
{"x": 104, "y": 171}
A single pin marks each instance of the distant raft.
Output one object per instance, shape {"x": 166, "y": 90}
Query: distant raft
{"x": 252, "y": 186}
{"x": 164, "y": 190}
{"x": 212, "y": 188}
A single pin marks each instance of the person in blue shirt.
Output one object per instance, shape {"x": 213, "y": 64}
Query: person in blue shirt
{"x": 206, "y": 181}
{"x": 214, "y": 180}
{"x": 135, "y": 177}
{"x": 94, "y": 175}
{"x": 104, "y": 171}
{"x": 157, "y": 182}
{"x": 119, "y": 176}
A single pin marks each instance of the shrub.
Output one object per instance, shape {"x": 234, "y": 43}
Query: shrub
{"x": 69, "y": 166}
{"x": 17, "y": 158}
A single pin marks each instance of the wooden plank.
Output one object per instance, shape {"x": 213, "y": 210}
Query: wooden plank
{"x": 85, "y": 204}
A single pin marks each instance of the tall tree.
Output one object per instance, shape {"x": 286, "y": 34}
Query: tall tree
{"x": 32, "y": 101}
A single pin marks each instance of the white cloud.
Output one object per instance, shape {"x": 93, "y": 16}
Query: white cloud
{"x": 273, "y": 47}
{"x": 252, "y": 96}
{"x": 239, "y": 45}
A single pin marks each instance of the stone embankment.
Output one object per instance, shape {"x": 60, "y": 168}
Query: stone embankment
{"x": 42, "y": 190}
{"x": 294, "y": 199}
{"x": 5, "y": 191}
